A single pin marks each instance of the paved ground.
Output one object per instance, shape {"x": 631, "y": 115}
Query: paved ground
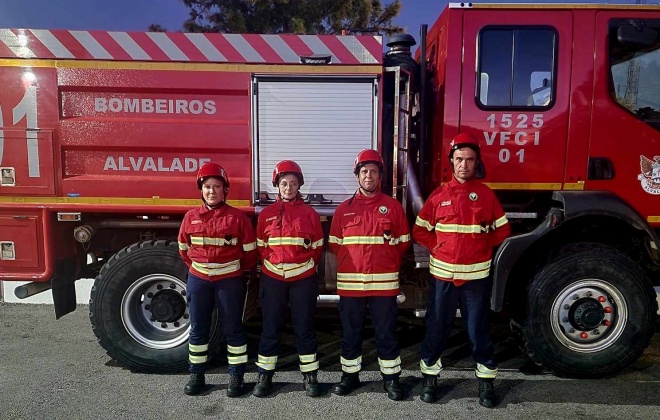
{"x": 55, "y": 369}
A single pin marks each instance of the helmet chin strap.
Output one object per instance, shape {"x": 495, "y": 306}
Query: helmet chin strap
{"x": 369, "y": 191}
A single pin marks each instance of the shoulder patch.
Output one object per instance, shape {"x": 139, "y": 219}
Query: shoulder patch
{"x": 383, "y": 210}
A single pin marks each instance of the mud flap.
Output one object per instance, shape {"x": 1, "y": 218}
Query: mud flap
{"x": 64, "y": 288}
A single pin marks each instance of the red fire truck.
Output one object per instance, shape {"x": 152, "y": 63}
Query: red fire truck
{"x": 101, "y": 134}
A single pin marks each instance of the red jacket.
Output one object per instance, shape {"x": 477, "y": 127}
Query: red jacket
{"x": 460, "y": 224}
{"x": 217, "y": 243}
{"x": 290, "y": 240}
{"x": 370, "y": 235}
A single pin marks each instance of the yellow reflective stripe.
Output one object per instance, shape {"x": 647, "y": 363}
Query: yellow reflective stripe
{"x": 249, "y": 247}
{"x": 334, "y": 240}
{"x": 477, "y": 275}
{"x": 363, "y": 240}
{"x": 368, "y": 286}
{"x": 261, "y": 242}
{"x": 183, "y": 246}
{"x": 317, "y": 244}
{"x": 451, "y": 228}
{"x": 237, "y": 360}
{"x": 198, "y": 348}
{"x": 430, "y": 370}
{"x": 404, "y": 238}
{"x": 266, "y": 362}
{"x": 307, "y": 358}
{"x": 290, "y": 270}
{"x": 390, "y": 371}
{"x": 202, "y": 240}
{"x": 484, "y": 372}
{"x": 237, "y": 350}
{"x": 460, "y": 268}
{"x": 212, "y": 269}
{"x": 309, "y": 367}
{"x": 423, "y": 223}
{"x": 351, "y": 365}
{"x": 197, "y": 359}
{"x": 367, "y": 277}
{"x": 501, "y": 222}
{"x": 389, "y": 363}
{"x": 285, "y": 240}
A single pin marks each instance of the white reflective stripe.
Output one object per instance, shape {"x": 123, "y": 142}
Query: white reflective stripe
{"x": 18, "y": 45}
{"x": 202, "y": 240}
{"x": 390, "y": 371}
{"x": 237, "y": 360}
{"x": 430, "y": 370}
{"x": 453, "y": 228}
{"x": 351, "y": 366}
{"x": 363, "y": 240}
{"x": 317, "y": 244}
{"x": 244, "y": 48}
{"x": 237, "y": 350}
{"x": 205, "y": 47}
{"x": 212, "y": 269}
{"x": 460, "y": 268}
{"x": 423, "y": 223}
{"x": 484, "y": 372}
{"x": 359, "y": 51}
{"x": 163, "y": 41}
{"x": 281, "y": 48}
{"x": 334, "y": 240}
{"x": 261, "y": 243}
{"x": 404, "y": 238}
{"x": 309, "y": 367}
{"x": 198, "y": 348}
{"x": 368, "y": 286}
{"x": 501, "y": 222}
{"x": 53, "y": 44}
{"x": 266, "y": 362}
{"x": 307, "y": 358}
{"x": 367, "y": 277}
{"x": 389, "y": 363}
{"x": 290, "y": 270}
{"x": 196, "y": 360}
{"x": 183, "y": 246}
{"x": 249, "y": 247}
{"x": 91, "y": 45}
{"x": 129, "y": 45}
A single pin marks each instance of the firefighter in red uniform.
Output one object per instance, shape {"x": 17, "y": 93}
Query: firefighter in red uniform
{"x": 369, "y": 234}
{"x": 290, "y": 241}
{"x": 217, "y": 242}
{"x": 461, "y": 223}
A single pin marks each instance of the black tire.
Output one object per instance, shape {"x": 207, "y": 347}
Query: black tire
{"x": 141, "y": 278}
{"x": 569, "y": 328}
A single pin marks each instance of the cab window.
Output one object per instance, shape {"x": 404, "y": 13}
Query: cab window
{"x": 516, "y": 67}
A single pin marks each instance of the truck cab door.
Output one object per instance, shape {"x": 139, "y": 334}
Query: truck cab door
{"x": 515, "y": 89}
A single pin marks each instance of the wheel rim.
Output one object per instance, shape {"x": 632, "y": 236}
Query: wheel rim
{"x": 154, "y": 311}
{"x": 589, "y": 315}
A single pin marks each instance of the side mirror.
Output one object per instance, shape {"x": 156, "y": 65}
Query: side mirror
{"x": 635, "y": 34}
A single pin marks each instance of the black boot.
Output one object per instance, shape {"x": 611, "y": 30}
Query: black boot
{"x": 235, "y": 386}
{"x": 311, "y": 383}
{"x": 349, "y": 382}
{"x": 430, "y": 389}
{"x": 486, "y": 393}
{"x": 195, "y": 384}
{"x": 393, "y": 388}
{"x": 264, "y": 385}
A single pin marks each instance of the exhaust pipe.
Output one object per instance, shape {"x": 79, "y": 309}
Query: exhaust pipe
{"x": 31, "y": 289}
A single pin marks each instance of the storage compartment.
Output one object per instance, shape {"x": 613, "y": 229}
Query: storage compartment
{"x": 21, "y": 245}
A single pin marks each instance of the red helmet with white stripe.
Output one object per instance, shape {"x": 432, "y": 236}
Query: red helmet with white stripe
{"x": 211, "y": 170}
{"x": 287, "y": 167}
{"x": 367, "y": 156}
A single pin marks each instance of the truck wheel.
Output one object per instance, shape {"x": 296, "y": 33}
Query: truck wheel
{"x": 138, "y": 308}
{"x": 591, "y": 312}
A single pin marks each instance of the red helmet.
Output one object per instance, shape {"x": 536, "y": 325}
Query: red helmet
{"x": 211, "y": 170}
{"x": 367, "y": 156}
{"x": 464, "y": 140}
{"x": 287, "y": 167}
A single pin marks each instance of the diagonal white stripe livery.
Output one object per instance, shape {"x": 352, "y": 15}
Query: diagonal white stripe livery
{"x": 168, "y": 46}
{"x": 244, "y": 48}
{"x": 318, "y": 47}
{"x": 16, "y": 43}
{"x": 281, "y": 48}
{"x": 91, "y": 45}
{"x": 357, "y": 49}
{"x": 129, "y": 45}
{"x": 53, "y": 44}
{"x": 205, "y": 47}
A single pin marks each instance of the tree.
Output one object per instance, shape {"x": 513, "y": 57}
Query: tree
{"x": 291, "y": 16}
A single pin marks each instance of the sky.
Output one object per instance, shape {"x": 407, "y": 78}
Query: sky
{"x": 136, "y": 15}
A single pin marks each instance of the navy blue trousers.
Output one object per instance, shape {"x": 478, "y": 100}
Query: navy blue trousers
{"x": 276, "y": 296}
{"x": 443, "y": 298}
{"x": 383, "y": 310}
{"x": 203, "y": 296}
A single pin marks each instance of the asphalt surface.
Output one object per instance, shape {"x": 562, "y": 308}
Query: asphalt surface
{"x": 55, "y": 370}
